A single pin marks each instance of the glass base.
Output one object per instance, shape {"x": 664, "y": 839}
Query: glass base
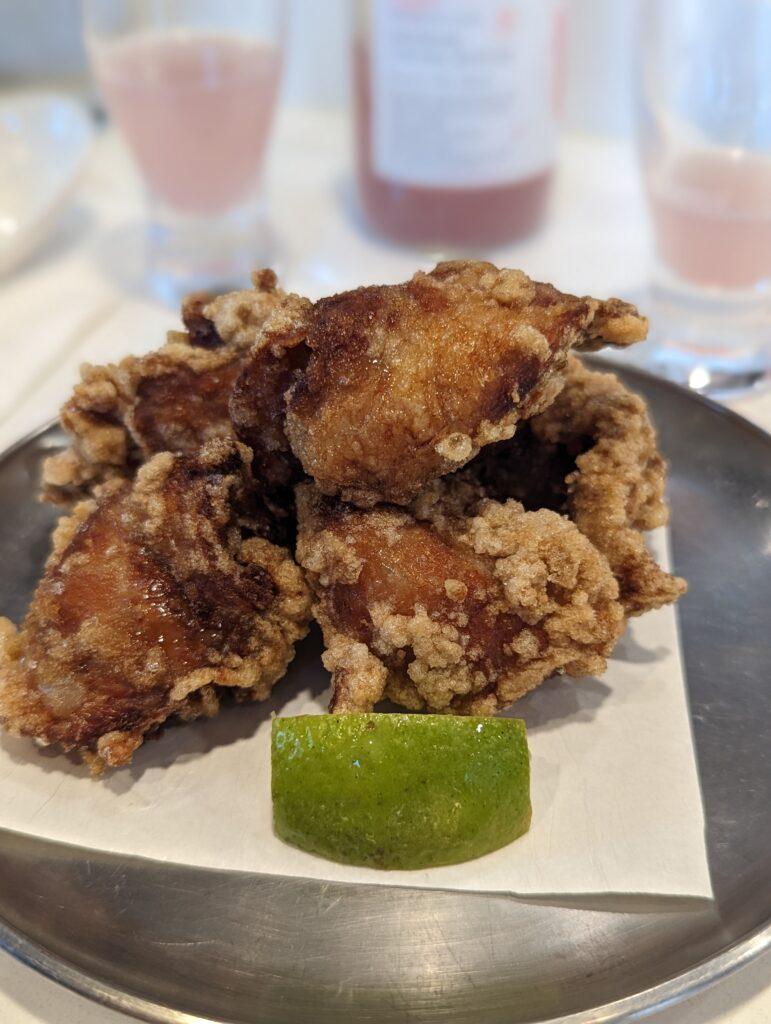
{"x": 715, "y": 344}
{"x": 188, "y": 254}
{"x": 706, "y": 374}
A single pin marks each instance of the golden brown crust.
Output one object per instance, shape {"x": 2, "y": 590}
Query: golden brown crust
{"x": 257, "y": 403}
{"x": 150, "y": 606}
{"x": 593, "y": 455}
{"x": 174, "y": 399}
{"x": 407, "y": 382}
{"x": 460, "y": 606}
{"x": 615, "y": 323}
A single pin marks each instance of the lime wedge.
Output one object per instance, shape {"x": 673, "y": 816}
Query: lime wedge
{"x": 400, "y": 791}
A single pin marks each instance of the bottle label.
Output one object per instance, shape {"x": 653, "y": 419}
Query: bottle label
{"x": 463, "y": 91}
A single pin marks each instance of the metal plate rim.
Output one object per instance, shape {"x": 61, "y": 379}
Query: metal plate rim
{"x": 670, "y": 992}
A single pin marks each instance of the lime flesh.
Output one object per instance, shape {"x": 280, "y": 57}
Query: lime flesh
{"x": 399, "y": 791}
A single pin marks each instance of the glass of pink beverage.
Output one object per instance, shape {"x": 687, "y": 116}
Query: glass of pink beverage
{"x": 705, "y": 148}
{"x": 192, "y": 85}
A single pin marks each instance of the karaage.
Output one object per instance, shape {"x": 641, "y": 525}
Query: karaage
{"x": 173, "y": 399}
{"x": 405, "y": 383}
{"x": 258, "y": 405}
{"x": 461, "y": 605}
{"x": 592, "y": 455}
{"x": 151, "y": 606}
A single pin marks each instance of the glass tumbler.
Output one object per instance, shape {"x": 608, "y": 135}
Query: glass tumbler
{"x": 705, "y": 150}
{"x": 192, "y": 86}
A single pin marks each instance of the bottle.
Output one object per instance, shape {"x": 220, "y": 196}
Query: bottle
{"x": 456, "y": 117}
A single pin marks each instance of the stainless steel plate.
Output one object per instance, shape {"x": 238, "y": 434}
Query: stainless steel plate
{"x": 171, "y": 943}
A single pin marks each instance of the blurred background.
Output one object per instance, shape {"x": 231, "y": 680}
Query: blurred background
{"x": 152, "y": 147}
{"x": 42, "y": 43}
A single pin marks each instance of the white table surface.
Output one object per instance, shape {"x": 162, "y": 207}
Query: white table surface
{"x": 81, "y": 299}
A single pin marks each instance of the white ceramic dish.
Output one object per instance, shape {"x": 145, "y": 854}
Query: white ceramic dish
{"x": 44, "y": 142}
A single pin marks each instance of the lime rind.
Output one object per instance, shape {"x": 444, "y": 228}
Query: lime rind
{"x": 397, "y": 791}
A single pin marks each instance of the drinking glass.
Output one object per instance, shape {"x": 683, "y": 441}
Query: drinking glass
{"x": 192, "y": 85}
{"x": 705, "y": 150}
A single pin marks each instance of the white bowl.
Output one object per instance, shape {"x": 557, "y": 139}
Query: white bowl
{"x": 44, "y": 139}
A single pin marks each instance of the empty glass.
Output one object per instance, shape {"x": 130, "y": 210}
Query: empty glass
{"x": 705, "y": 147}
{"x": 192, "y": 85}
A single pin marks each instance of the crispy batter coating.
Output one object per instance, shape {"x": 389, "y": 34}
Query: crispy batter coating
{"x": 593, "y": 455}
{"x": 173, "y": 399}
{"x": 460, "y": 606}
{"x": 407, "y": 382}
{"x": 151, "y": 605}
{"x": 257, "y": 402}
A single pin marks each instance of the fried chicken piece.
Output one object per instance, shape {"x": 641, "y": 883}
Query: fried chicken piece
{"x": 593, "y": 455}
{"x": 460, "y": 606}
{"x": 405, "y": 383}
{"x": 257, "y": 402}
{"x": 174, "y": 399}
{"x": 151, "y": 606}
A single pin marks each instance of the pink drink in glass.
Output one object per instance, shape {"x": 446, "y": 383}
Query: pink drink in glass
{"x": 712, "y": 216}
{"x": 195, "y": 109}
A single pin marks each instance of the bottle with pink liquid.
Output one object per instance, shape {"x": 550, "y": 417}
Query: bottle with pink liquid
{"x": 192, "y": 86}
{"x": 456, "y": 117}
{"x": 705, "y": 148}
